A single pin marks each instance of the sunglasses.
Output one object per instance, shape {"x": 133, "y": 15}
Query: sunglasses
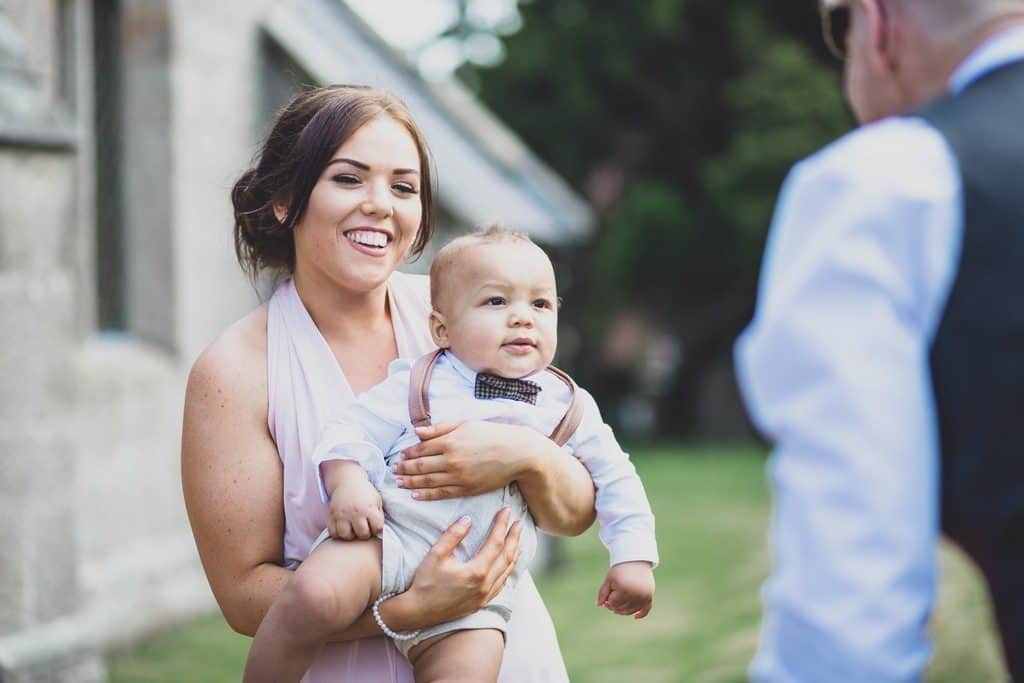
{"x": 835, "y": 23}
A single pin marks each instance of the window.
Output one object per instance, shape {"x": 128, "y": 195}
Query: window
{"x": 134, "y": 247}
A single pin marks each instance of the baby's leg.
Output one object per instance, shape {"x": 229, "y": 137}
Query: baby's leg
{"x": 328, "y": 592}
{"x": 459, "y": 657}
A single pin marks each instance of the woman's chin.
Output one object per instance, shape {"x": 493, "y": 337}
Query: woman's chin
{"x": 364, "y": 277}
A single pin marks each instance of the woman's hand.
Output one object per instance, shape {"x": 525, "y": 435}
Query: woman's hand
{"x": 446, "y": 588}
{"x": 468, "y": 458}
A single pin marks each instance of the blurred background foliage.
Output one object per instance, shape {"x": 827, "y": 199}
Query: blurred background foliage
{"x": 678, "y": 120}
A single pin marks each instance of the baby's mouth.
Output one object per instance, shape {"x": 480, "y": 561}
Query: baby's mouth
{"x": 520, "y": 346}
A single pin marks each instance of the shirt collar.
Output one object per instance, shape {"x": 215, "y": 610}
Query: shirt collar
{"x": 469, "y": 374}
{"x": 999, "y": 50}
{"x": 461, "y": 369}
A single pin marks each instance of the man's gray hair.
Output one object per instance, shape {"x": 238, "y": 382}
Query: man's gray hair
{"x": 949, "y": 19}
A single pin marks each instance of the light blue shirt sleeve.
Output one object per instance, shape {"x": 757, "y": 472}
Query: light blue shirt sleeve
{"x": 835, "y": 371}
{"x": 368, "y": 428}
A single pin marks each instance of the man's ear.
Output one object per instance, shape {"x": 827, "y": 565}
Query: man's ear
{"x": 884, "y": 32}
{"x": 438, "y": 330}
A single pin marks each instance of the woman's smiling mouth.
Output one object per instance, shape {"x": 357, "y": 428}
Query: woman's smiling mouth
{"x": 370, "y": 242}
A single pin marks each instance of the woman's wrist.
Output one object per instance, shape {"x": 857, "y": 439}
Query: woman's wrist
{"x": 401, "y": 613}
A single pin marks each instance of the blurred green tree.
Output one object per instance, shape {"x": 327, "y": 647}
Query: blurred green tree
{"x": 678, "y": 119}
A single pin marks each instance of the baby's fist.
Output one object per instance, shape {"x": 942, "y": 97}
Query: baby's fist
{"x": 356, "y": 511}
{"x": 628, "y": 588}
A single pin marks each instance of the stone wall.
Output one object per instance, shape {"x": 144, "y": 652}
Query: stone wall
{"x": 97, "y": 549}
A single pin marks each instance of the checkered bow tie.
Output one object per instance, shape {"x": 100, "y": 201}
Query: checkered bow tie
{"x": 493, "y": 386}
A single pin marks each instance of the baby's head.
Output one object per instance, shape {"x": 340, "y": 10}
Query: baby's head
{"x": 495, "y": 304}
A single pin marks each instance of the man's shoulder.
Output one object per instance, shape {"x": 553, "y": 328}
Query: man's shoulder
{"x": 903, "y": 156}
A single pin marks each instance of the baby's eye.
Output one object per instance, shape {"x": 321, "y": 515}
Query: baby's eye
{"x": 544, "y": 303}
{"x": 404, "y": 188}
{"x": 495, "y": 301}
{"x": 346, "y": 179}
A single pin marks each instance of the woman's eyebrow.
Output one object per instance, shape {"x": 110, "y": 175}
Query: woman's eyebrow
{"x": 366, "y": 167}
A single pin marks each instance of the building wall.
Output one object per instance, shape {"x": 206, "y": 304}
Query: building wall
{"x": 217, "y": 123}
{"x": 97, "y": 548}
{"x": 39, "y": 207}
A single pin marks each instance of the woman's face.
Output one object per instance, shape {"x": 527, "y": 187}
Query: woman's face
{"x": 364, "y": 210}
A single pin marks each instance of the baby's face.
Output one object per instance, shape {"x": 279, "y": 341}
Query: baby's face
{"x": 498, "y": 309}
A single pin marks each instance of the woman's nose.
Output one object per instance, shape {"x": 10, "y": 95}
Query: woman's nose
{"x": 378, "y": 201}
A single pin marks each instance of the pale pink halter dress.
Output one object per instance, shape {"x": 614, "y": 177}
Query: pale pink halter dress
{"x": 306, "y": 387}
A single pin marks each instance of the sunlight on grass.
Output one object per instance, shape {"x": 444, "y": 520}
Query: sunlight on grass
{"x": 712, "y": 508}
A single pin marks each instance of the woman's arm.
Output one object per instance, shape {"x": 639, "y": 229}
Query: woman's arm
{"x": 232, "y": 480}
{"x": 466, "y": 459}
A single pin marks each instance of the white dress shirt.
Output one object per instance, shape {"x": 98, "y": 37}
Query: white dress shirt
{"x": 376, "y": 429}
{"x": 863, "y": 251}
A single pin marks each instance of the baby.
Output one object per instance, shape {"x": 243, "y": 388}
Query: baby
{"x": 494, "y": 319}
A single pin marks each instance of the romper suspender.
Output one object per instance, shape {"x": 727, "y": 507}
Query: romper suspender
{"x": 419, "y": 401}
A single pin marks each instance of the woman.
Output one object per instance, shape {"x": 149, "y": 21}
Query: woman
{"x": 340, "y": 197}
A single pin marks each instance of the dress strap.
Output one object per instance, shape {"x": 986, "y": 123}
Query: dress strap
{"x": 419, "y": 398}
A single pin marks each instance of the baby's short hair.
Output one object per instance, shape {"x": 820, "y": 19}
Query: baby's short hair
{"x": 449, "y": 253}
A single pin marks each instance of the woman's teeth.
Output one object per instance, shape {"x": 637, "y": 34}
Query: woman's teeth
{"x": 369, "y": 238}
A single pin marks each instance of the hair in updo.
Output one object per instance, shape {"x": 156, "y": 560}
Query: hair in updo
{"x": 301, "y": 143}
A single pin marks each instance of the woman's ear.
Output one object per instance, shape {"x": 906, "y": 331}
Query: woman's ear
{"x": 281, "y": 212}
{"x": 439, "y": 330}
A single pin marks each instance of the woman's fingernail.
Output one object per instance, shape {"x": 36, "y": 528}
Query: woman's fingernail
{"x": 415, "y": 494}
{"x": 464, "y": 520}
{"x": 398, "y": 482}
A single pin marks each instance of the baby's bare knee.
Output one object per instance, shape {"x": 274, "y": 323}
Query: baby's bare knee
{"x": 316, "y": 603}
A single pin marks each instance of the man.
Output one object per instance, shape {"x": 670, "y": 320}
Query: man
{"x": 886, "y": 357}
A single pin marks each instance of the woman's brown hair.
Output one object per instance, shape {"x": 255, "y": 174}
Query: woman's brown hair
{"x": 304, "y": 136}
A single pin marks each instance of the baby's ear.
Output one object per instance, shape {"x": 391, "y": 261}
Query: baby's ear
{"x": 439, "y": 329}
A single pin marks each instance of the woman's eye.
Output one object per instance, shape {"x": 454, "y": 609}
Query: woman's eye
{"x": 346, "y": 179}
{"x": 404, "y": 188}
{"x": 495, "y": 301}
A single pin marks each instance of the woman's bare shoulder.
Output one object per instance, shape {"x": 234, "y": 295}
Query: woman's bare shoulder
{"x": 235, "y": 363}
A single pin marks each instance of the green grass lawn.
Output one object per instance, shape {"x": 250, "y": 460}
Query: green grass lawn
{"x": 712, "y": 508}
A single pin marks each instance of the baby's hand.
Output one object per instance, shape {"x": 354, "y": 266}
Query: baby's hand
{"x": 356, "y": 510}
{"x": 628, "y": 588}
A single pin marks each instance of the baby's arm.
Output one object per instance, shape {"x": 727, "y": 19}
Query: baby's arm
{"x": 623, "y": 512}
{"x": 356, "y": 510}
{"x": 349, "y": 457}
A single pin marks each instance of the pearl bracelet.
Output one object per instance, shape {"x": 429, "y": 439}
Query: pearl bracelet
{"x": 383, "y": 627}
